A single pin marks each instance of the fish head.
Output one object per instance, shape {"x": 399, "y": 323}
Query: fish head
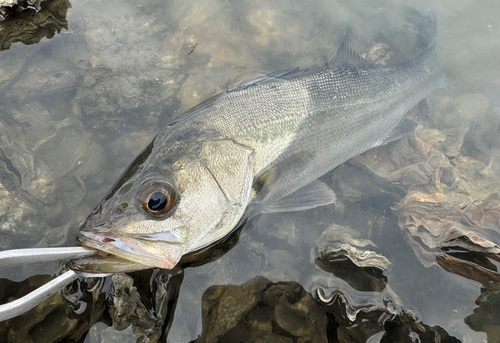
{"x": 172, "y": 202}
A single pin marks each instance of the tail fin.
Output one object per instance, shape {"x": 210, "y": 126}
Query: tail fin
{"x": 427, "y": 31}
{"x": 425, "y": 28}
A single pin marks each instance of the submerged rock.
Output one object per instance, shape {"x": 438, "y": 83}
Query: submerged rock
{"x": 224, "y": 306}
{"x": 340, "y": 251}
{"x": 25, "y": 182}
{"x": 449, "y": 201}
{"x": 337, "y": 242}
{"x": 48, "y": 322}
{"x": 486, "y": 316}
{"x": 262, "y": 311}
{"x": 28, "y": 25}
{"x": 8, "y": 3}
{"x": 127, "y": 307}
{"x": 457, "y": 209}
{"x": 377, "y": 54}
{"x": 45, "y": 168}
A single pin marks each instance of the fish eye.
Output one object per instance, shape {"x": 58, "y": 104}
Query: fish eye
{"x": 157, "y": 197}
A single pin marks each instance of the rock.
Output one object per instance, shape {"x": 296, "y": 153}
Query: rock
{"x": 262, "y": 312}
{"x": 486, "y": 275}
{"x": 21, "y": 171}
{"x": 337, "y": 242}
{"x": 453, "y": 140}
{"x": 8, "y": 3}
{"x": 194, "y": 90}
{"x": 448, "y": 221}
{"x": 47, "y": 322}
{"x": 29, "y": 25}
{"x": 486, "y": 316}
{"x": 127, "y": 306}
{"x": 224, "y": 306}
{"x": 377, "y": 54}
{"x": 273, "y": 27}
{"x": 302, "y": 318}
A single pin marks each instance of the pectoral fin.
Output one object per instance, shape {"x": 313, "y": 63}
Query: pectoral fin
{"x": 314, "y": 194}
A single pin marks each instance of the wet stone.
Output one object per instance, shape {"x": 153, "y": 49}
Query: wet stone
{"x": 28, "y": 25}
{"x": 437, "y": 221}
{"x": 265, "y": 312}
{"x": 71, "y": 150}
{"x": 130, "y": 68}
{"x": 345, "y": 272}
{"x": 11, "y": 66}
{"x": 459, "y": 212}
{"x": 47, "y": 322}
{"x": 43, "y": 81}
{"x": 21, "y": 171}
{"x": 224, "y": 306}
{"x": 45, "y": 167}
{"x": 337, "y": 242}
{"x": 100, "y": 333}
{"x": 472, "y": 269}
{"x": 378, "y": 54}
{"x": 133, "y": 317}
{"x": 407, "y": 329}
{"x": 275, "y": 247}
{"x": 486, "y": 316}
{"x": 350, "y": 180}
{"x": 8, "y": 3}
{"x": 453, "y": 141}
{"x": 302, "y": 319}
{"x": 194, "y": 90}
{"x": 409, "y": 163}
{"x": 450, "y": 201}
{"x": 127, "y": 306}
{"x": 125, "y": 97}
{"x": 273, "y": 27}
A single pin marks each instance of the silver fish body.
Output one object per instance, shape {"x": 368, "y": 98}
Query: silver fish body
{"x": 258, "y": 146}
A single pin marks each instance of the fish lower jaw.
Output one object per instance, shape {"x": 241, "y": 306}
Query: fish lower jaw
{"x": 109, "y": 244}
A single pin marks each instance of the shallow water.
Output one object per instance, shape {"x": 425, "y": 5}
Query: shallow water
{"x": 79, "y": 107}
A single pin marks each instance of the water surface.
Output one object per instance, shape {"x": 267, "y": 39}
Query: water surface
{"x": 77, "y": 108}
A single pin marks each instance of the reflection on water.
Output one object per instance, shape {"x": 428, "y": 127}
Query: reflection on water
{"x": 409, "y": 252}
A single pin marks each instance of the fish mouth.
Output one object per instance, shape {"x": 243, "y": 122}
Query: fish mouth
{"x": 125, "y": 247}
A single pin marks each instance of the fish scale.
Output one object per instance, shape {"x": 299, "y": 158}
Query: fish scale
{"x": 260, "y": 146}
{"x": 357, "y": 107}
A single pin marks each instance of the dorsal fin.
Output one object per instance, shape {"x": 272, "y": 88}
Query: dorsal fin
{"x": 202, "y": 105}
{"x": 346, "y": 55}
{"x": 260, "y": 79}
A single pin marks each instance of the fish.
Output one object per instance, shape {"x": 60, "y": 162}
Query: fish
{"x": 259, "y": 146}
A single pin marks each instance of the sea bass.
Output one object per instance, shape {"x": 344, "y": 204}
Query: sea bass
{"x": 260, "y": 146}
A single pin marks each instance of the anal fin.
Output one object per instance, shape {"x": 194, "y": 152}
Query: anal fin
{"x": 404, "y": 127}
